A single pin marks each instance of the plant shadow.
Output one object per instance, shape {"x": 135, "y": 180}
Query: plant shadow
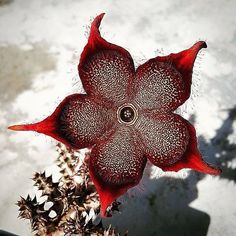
{"x": 164, "y": 209}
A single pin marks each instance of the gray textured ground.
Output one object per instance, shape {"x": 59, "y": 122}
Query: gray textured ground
{"x": 40, "y": 45}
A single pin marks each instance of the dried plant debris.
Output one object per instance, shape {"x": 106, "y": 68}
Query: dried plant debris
{"x": 71, "y": 205}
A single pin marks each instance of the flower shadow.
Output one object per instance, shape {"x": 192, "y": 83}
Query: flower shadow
{"x": 163, "y": 208}
{"x": 222, "y": 148}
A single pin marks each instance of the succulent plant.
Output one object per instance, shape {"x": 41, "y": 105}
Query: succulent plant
{"x": 71, "y": 205}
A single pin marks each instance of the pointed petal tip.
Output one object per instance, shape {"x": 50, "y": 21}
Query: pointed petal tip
{"x": 214, "y": 170}
{"x": 105, "y": 200}
{"x": 209, "y": 169}
{"x": 17, "y": 127}
{"x": 44, "y": 126}
{"x": 96, "y": 22}
{"x": 101, "y": 15}
{"x": 37, "y": 127}
{"x": 204, "y": 44}
{"x": 24, "y": 127}
{"x": 107, "y": 197}
{"x": 202, "y": 167}
{"x": 191, "y": 53}
{"x": 107, "y": 194}
{"x": 198, "y": 164}
{"x": 94, "y": 36}
{"x": 198, "y": 46}
{"x": 184, "y": 61}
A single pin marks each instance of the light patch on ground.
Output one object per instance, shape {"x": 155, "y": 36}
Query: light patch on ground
{"x": 218, "y": 201}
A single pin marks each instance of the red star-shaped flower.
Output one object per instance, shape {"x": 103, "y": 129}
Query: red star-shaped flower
{"x": 126, "y": 116}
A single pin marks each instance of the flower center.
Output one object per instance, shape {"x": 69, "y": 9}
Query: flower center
{"x": 127, "y": 114}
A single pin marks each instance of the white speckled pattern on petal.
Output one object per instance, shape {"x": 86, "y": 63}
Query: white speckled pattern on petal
{"x": 165, "y": 137}
{"x": 158, "y": 85}
{"x": 106, "y": 75}
{"x": 119, "y": 160}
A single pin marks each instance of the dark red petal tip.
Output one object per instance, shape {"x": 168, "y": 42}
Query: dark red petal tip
{"x": 97, "y": 43}
{"x": 46, "y": 126}
{"x": 194, "y": 162}
{"x": 185, "y": 59}
{"x": 183, "y": 62}
{"x": 95, "y": 40}
{"x": 106, "y": 193}
{"x": 94, "y": 32}
{"x": 18, "y": 127}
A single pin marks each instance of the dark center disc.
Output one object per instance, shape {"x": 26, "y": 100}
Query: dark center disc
{"x": 127, "y": 114}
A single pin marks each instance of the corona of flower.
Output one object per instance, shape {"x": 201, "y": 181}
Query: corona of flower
{"x": 127, "y": 115}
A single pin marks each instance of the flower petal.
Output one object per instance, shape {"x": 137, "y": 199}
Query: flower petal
{"x": 171, "y": 143}
{"x": 165, "y": 137}
{"x": 164, "y": 83}
{"x": 192, "y": 158}
{"x": 116, "y": 164}
{"x": 105, "y": 69}
{"x": 77, "y": 122}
